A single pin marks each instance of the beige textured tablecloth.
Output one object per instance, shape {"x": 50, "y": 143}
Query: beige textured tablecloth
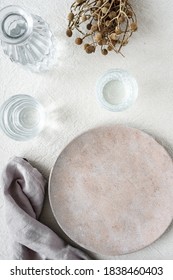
{"x": 68, "y": 93}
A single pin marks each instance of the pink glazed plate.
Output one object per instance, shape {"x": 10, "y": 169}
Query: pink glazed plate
{"x": 111, "y": 190}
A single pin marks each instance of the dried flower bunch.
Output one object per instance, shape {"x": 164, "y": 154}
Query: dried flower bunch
{"x": 105, "y": 23}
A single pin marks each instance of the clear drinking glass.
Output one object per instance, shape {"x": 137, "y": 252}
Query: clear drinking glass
{"x": 26, "y": 38}
{"x": 117, "y": 90}
{"x": 22, "y": 117}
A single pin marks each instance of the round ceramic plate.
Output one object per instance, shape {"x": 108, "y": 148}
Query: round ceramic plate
{"x": 111, "y": 190}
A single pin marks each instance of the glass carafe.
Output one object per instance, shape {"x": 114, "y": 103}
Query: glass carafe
{"x": 26, "y": 38}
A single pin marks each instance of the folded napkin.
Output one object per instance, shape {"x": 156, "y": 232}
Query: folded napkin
{"x": 24, "y": 190}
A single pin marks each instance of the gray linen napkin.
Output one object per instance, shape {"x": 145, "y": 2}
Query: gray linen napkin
{"x": 24, "y": 189}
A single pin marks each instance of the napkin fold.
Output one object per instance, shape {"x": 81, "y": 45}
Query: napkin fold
{"x": 24, "y": 190}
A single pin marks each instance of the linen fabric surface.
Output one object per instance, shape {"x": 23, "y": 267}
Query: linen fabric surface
{"x": 69, "y": 96}
{"x": 24, "y": 190}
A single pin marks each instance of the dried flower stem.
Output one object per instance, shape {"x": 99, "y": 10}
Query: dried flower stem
{"x": 109, "y": 23}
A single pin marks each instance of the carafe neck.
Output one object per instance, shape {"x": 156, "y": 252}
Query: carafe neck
{"x": 16, "y": 25}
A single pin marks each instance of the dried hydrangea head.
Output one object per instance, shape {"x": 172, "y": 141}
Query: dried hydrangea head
{"x": 107, "y": 24}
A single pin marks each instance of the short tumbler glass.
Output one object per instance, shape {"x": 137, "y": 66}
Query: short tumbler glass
{"x": 22, "y": 117}
{"x": 117, "y": 90}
